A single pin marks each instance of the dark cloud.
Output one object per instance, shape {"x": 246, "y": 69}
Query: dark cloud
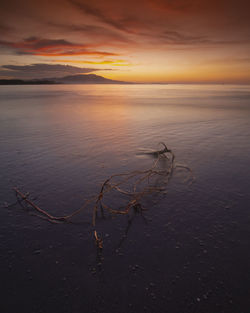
{"x": 94, "y": 31}
{"x": 102, "y": 16}
{"x": 41, "y": 70}
{"x": 38, "y": 43}
{"x": 178, "y": 38}
{"x": 191, "y": 21}
{"x": 115, "y": 22}
{"x": 51, "y": 47}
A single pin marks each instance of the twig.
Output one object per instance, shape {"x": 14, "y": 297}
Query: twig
{"x": 139, "y": 187}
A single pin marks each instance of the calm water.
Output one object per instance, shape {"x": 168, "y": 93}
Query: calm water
{"x": 191, "y": 254}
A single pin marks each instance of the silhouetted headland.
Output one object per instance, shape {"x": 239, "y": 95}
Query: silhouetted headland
{"x": 71, "y": 79}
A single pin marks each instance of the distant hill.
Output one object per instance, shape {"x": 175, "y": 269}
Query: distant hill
{"x": 86, "y": 79}
{"x": 72, "y": 79}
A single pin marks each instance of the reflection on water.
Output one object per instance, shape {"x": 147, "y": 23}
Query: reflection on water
{"x": 89, "y": 131}
{"x": 61, "y": 142}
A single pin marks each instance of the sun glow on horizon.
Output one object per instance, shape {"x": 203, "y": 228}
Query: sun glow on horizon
{"x": 168, "y": 42}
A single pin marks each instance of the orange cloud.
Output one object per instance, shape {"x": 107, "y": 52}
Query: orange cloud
{"x": 73, "y": 52}
{"x": 50, "y": 47}
{"x": 105, "y": 62}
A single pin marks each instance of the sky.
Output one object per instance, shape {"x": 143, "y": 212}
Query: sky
{"x": 166, "y": 41}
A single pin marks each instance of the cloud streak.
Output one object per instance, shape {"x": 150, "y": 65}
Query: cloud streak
{"x": 42, "y": 71}
{"x": 100, "y": 15}
{"x": 104, "y": 62}
{"x": 52, "y": 47}
{"x": 181, "y": 39}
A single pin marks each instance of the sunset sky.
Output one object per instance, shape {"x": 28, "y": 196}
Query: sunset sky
{"x": 140, "y": 41}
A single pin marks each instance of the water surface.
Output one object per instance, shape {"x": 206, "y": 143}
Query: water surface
{"x": 60, "y": 142}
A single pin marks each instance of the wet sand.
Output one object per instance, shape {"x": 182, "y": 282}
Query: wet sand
{"x": 190, "y": 251}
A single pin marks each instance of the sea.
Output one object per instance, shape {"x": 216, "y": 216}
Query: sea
{"x": 186, "y": 251}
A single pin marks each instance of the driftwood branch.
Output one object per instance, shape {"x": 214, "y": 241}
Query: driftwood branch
{"x": 134, "y": 185}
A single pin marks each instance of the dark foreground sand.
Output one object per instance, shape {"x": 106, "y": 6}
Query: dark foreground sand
{"x": 191, "y": 251}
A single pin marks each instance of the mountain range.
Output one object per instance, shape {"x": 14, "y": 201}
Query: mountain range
{"x": 71, "y": 79}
